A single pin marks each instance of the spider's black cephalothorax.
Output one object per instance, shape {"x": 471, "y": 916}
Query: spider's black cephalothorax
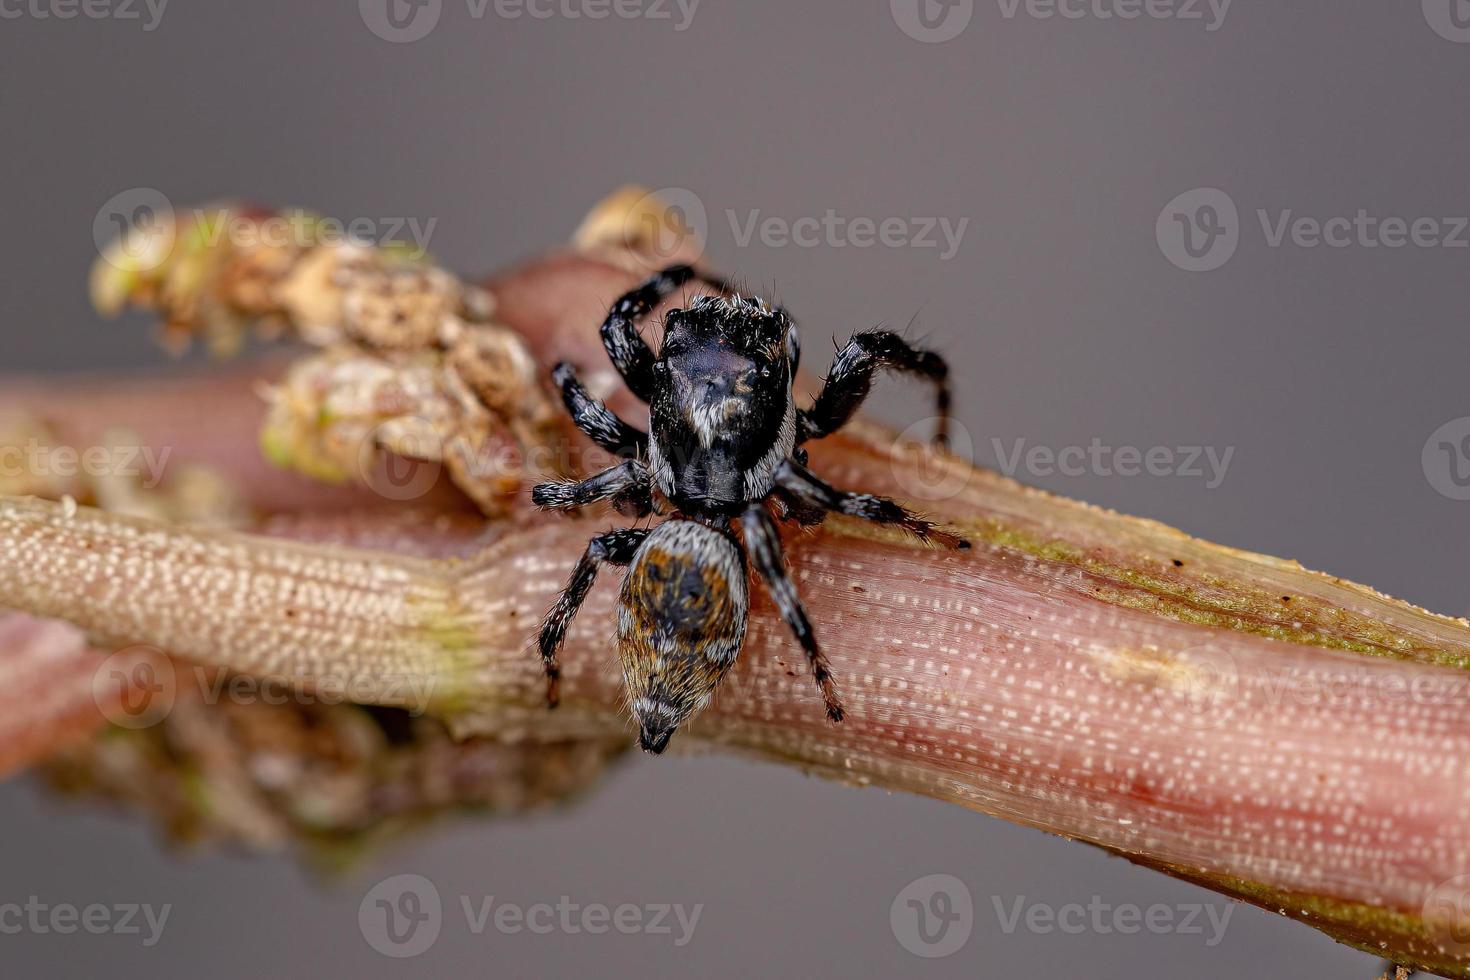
{"x": 725, "y": 436}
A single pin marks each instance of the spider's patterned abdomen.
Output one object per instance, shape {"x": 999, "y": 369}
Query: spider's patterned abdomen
{"x": 681, "y": 623}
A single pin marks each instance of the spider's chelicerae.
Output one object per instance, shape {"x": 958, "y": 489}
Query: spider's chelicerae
{"x": 726, "y": 437}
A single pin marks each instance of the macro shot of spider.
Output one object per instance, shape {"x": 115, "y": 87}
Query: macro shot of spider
{"x": 724, "y": 444}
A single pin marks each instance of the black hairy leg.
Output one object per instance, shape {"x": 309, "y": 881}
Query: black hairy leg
{"x": 628, "y": 485}
{"x": 851, "y": 378}
{"x": 600, "y": 423}
{"x": 612, "y": 548}
{"x": 808, "y": 490}
{"x": 626, "y": 348}
{"x": 764, "y": 544}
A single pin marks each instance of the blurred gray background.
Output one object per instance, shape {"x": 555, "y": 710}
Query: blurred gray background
{"x": 1061, "y": 140}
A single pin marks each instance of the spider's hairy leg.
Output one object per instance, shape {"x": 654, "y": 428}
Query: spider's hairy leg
{"x": 600, "y": 423}
{"x": 764, "y": 544}
{"x": 626, "y": 348}
{"x": 613, "y": 548}
{"x": 806, "y": 488}
{"x": 851, "y": 378}
{"x": 628, "y": 483}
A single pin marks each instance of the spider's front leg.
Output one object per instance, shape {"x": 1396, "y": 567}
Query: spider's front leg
{"x": 626, "y": 348}
{"x": 628, "y": 485}
{"x": 851, "y": 378}
{"x": 612, "y": 548}
{"x": 600, "y": 423}
{"x": 764, "y": 544}
{"x": 808, "y": 490}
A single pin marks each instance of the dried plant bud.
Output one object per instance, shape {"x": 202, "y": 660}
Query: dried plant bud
{"x": 397, "y": 307}
{"x": 336, "y": 413}
{"x": 414, "y": 367}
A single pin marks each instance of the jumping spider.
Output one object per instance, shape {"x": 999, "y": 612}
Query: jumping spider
{"x": 725, "y": 436}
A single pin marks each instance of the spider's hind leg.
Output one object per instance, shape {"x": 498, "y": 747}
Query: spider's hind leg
{"x": 851, "y": 378}
{"x": 764, "y": 545}
{"x": 612, "y": 548}
{"x": 802, "y": 485}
